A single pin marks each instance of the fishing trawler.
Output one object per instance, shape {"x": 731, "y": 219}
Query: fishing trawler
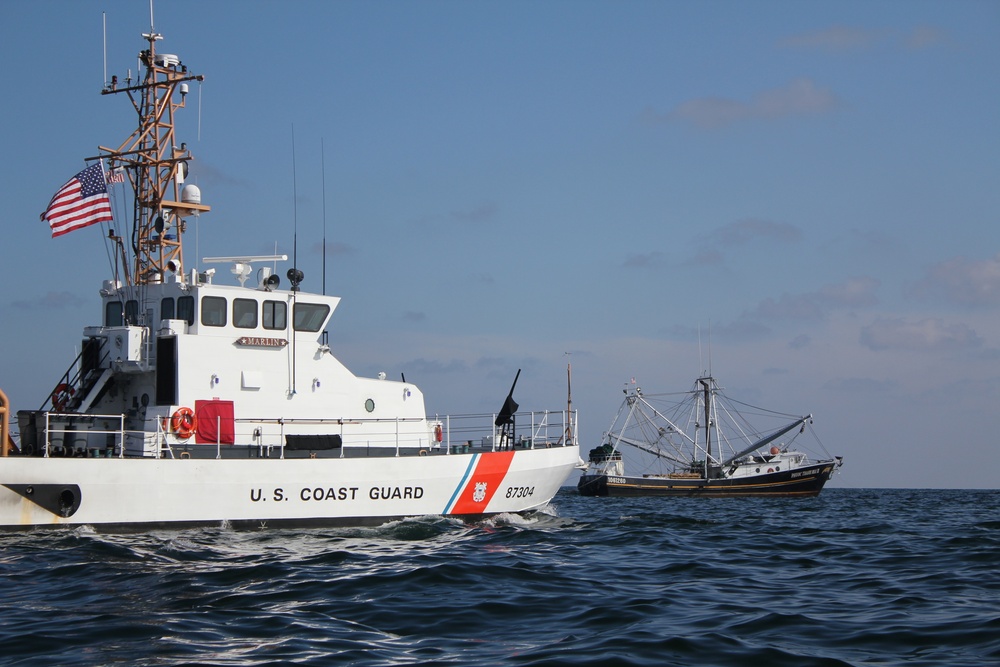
{"x": 703, "y": 443}
{"x": 195, "y": 402}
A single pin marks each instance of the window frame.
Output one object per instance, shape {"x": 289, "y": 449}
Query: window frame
{"x": 211, "y": 305}
{"x": 309, "y": 311}
{"x": 237, "y": 317}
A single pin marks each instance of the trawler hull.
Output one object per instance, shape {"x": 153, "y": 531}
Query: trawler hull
{"x": 806, "y": 481}
{"x": 138, "y": 494}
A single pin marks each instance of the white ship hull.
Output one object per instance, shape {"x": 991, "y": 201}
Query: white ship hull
{"x": 142, "y": 493}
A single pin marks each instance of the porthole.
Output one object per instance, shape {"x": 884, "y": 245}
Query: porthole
{"x": 370, "y": 405}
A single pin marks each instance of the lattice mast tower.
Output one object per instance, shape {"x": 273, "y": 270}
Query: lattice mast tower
{"x": 156, "y": 167}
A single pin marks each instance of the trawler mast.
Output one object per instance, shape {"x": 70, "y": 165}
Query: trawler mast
{"x": 155, "y": 166}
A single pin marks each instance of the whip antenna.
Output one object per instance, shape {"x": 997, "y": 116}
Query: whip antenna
{"x": 295, "y": 213}
{"x": 322, "y": 154}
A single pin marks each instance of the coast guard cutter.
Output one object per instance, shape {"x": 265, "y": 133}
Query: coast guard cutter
{"x": 194, "y": 402}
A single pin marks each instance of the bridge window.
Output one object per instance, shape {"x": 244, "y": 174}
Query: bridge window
{"x": 132, "y": 312}
{"x": 113, "y": 316}
{"x": 245, "y": 313}
{"x": 275, "y": 315}
{"x": 213, "y": 311}
{"x": 185, "y": 309}
{"x": 310, "y": 316}
{"x": 167, "y": 308}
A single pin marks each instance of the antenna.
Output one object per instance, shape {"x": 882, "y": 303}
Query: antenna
{"x": 294, "y": 275}
{"x": 710, "y": 348}
{"x": 104, "y": 21}
{"x": 322, "y": 150}
{"x": 569, "y": 401}
{"x": 200, "y": 87}
{"x": 295, "y": 211}
{"x": 151, "y": 29}
{"x": 701, "y": 357}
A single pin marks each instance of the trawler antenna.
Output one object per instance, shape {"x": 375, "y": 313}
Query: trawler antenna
{"x": 701, "y": 355}
{"x": 710, "y": 348}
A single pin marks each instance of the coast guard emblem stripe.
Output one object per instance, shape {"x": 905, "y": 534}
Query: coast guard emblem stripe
{"x": 476, "y": 490}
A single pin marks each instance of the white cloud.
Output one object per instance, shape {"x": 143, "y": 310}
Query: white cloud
{"x": 333, "y": 248}
{"x": 50, "y": 301}
{"x": 854, "y": 293}
{"x": 800, "y": 97}
{"x": 842, "y": 39}
{"x": 922, "y": 335}
{"x": 743, "y": 231}
{"x": 799, "y": 342}
{"x": 964, "y": 281}
{"x": 643, "y": 260}
{"x": 834, "y": 38}
{"x": 924, "y": 37}
{"x": 857, "y": 385}
{"x": 480, "y": 214}
{"x": 772, "y": 314}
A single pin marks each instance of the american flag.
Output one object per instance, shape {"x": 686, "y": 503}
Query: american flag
{"x": 82, "y": 202}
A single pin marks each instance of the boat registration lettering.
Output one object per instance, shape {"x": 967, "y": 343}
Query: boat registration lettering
{"x": 396, "y": 492}
{"x": 307, "y": 494}
{"x": 321, "y": 493}
{"x": 520, "y": 491}
{"x": 329, "y": 493}
{"x": 616, "y": 480}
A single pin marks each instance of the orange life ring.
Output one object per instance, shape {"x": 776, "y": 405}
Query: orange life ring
{"x": 61, "y": 396}
{"x": 183, "y": 423}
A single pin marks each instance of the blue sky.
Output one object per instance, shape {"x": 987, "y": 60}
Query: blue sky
{"x": 804, "y": 192}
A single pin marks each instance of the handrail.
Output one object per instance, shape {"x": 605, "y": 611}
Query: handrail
{"x": 120, "y": 431}
{"x": 75, "y": 381}
{"x": 392, "y": 438}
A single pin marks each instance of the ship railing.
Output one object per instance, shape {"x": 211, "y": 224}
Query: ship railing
{"x": 68, "y": 431}
{"x": 459, "y": 433}
{"x": 77, "y": 383}
{"x": 545, "y": 429}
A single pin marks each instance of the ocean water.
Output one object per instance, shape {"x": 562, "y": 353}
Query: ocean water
{"x": 853, "y": 577}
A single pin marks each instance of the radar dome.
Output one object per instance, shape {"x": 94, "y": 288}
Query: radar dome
{"x": 191, "y": 194}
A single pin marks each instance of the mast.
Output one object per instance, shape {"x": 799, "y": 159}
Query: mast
{"x": 708, "y": 423}
{"x": 155, "y": 165}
